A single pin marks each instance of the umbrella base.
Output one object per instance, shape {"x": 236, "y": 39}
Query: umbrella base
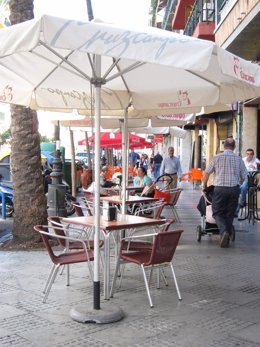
{"x": 87, "y": 314}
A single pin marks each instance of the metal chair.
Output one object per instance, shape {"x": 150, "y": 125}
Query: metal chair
{"x": 136, "y": 245}
{"x": 66, "y": 257}
{"x": 82, "y": 234}
{"x": 161, "y": 253}
{"x": 175, "y": 194}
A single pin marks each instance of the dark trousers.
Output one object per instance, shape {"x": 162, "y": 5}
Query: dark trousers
{"x": 224, "y": 204}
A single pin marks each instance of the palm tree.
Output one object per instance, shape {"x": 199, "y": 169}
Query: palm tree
{"x": 29, "y": 198}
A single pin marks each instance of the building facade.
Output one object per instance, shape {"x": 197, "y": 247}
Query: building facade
{"x": 235, "y": 26}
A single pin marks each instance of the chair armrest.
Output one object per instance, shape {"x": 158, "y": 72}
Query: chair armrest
{"x": 67, "y": 227}
{"x": 138, "y": 236}
{"x": 68, "y": 238}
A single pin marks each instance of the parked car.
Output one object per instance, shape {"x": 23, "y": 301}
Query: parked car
{"x": 81, "y": 156}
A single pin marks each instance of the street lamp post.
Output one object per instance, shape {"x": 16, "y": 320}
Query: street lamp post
{"x": 56, "y": 190}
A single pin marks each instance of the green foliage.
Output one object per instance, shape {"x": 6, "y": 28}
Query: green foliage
{"x": 6, "y": 135}
{"x": 44, "y": 138}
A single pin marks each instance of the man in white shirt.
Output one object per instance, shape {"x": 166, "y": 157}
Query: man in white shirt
{"x": 251, "y": 165}
{"x": 171, "y": 165}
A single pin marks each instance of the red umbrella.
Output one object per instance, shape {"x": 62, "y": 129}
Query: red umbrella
{"x": 112, "y": 140}
{"x": 141, "y": 145}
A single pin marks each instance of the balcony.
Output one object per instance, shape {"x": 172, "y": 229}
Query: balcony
{"x": 182, "y": 10}
{"x": 201, "y": 22}
{"x": 238, "y": 28}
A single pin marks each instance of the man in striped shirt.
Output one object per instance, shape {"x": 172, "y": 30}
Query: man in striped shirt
{"x": 229, "y": 172}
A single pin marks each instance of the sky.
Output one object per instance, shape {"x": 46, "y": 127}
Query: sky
{"x": 126, "y": 12}
{"x": 115, "y": 11}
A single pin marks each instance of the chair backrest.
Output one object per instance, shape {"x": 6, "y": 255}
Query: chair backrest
{"x": 164, "y": 246}
{"x": 158, "y": 210}
{"x": 165, "y": 227}
{"x": 175, "y": 194}
{"x": 58, "y": 228}
{"x": 45, "y": 238}
{"x": 152, "y": 210}
{"x": 69, "y": 257}
{"x": 78, "y": 209}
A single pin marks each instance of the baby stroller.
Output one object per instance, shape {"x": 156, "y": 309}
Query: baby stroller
{"x": 208, "y": 223}
{"x": 160, "y": 188}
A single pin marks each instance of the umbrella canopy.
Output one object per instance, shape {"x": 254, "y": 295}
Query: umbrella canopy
{"x": 173, "y": 131}
{"x": 112, "y": 140}
{"x": 45, "y": 63}
{"x": 141, "y": 145}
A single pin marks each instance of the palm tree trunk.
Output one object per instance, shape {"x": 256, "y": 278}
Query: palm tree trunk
{"x": 29, "y": 199}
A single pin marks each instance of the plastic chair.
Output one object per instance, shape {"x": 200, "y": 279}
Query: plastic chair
{"x": 66, "y": 257}
{"x": 162, "y": 252}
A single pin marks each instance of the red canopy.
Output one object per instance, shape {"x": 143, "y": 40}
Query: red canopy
{"x": 114, "y": 140}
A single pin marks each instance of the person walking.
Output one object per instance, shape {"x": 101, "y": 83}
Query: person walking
{"x": 157, "y": 162}
{"x": 132, "y": 158}
{"x": 171, "y": 165}
{"x": 251, "y": 165}
{"x": 229, "y": 171}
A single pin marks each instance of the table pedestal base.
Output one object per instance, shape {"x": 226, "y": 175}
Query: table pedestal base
{"x": 86, "y": 314}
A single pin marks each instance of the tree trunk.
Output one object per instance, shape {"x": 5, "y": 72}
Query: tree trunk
{"x": 29, "y": 199}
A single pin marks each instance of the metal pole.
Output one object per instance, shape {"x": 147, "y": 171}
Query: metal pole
{"x": 124, "y": 130}
{"x": 97, "y": 185}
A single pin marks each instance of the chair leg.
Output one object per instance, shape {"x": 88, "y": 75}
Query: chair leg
{"x": 51, "y": 281}
{"x": 120, "y": 273}
{"x": 175, "y": 215}
{"x": 150, "y": 276}
{"x": 49, "y": 277}
{"x": 163, "y": 276}
{"x": 158, "y": 278}
{"x": 115, "y": 277}
{"x": 176, "y": 284}
{"x": 146, "y": 286}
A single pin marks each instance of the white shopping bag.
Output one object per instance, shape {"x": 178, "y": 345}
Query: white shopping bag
{"x": 209, "y": 218}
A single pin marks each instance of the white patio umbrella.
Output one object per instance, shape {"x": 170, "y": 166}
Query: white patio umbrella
{"x": 53, "y": 63}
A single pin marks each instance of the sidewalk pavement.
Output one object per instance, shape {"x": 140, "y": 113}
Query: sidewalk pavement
{"x": 220, "y": 296}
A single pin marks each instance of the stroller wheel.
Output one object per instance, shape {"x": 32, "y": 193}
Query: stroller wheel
{"x": 199, "y": 233}
{"x": 233, "y": 234}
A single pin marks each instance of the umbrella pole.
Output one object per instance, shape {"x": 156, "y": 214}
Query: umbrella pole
{"x": 124, "y": 161}
{"x": 97, "y": 185}
{"x": 108, "y": 314}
